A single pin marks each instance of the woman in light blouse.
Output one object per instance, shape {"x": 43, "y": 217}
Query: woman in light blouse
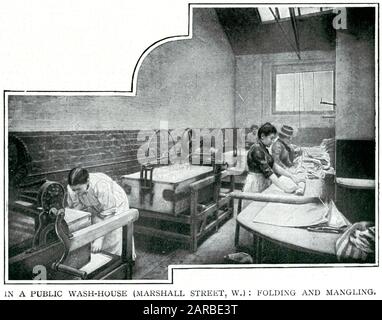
{"x": 98, "y": 194}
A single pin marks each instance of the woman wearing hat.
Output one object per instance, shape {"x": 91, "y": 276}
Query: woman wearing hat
{"x": 251, "y": 136}
{"x": 283, "y": 151}
{"x": 262, "y": 169}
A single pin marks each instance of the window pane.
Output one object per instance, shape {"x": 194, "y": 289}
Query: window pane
{"x": 305, "y": 10}
{"x": 323, "y": 89}
{"x": 266, "y": 14}
{"x": 285, "y": 92}
{"x": 284, "y": 12}
{"x": 307, "y": 91}
{"x": 304, "y": 91}
{"x": 297, "y": 103}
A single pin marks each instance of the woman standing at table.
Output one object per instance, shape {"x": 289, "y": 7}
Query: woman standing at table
{"x": 251, "y": 137}
{"x": 101, "y": 196}
{"x": 283, "y": 151}
{"x": 262, "y": 170}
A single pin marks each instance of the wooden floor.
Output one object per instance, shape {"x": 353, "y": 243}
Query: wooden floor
{"x": 154, "y": 256}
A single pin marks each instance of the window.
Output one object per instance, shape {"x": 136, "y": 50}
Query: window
{"x": 303, "y": 90}
{"x": 270, "y": 14}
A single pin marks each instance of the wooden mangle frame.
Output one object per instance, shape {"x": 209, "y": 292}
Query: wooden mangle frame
{"x": 200, "y": 214}
{"x": 202, "y": 219}
{"x": 199, "y": 219}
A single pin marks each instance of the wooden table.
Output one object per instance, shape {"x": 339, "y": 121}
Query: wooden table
{"x": 186, "y": 204}
{"x": 298, "y": 239}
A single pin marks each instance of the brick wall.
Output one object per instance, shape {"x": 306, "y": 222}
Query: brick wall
{"x": 112, "y": 152}
{"x": 55, "y": 153}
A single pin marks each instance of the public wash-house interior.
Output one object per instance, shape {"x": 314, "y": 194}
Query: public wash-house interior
{"x": 252, "y": 141}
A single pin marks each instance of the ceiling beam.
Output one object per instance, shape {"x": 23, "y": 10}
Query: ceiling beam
{"x": 297, "y": 51}
{"x": 295, "y": 31}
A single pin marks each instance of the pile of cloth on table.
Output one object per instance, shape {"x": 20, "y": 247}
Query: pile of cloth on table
{"x": 328, "y": 145}
{"x": 315, "y": 161}
{"x": 357, "y": 243}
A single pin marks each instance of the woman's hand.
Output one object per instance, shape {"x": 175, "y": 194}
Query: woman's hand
{"x": 284, "y": 186}
{"x": 297, "y": 179}
{"x": 97, "y": 245}
{"x": 298, "y": 150}
{"x": 290, "y": 188}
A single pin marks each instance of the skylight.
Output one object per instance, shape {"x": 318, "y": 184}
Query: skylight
{"x": 305, "y": 10}
{"x": 284, "y": 12}
{"x": 266, "y": 14}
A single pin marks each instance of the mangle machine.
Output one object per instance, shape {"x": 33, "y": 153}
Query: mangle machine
{"x": 179, "y": 201}
{"x": 47, "y": 241}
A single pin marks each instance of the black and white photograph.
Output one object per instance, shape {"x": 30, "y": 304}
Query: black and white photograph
{"x": 249, "y": 142}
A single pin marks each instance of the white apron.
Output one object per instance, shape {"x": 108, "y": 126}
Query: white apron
{"x": 255, "y": 182}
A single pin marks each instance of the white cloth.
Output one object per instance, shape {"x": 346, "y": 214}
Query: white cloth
{"x": 104, "y": 197}
{"x": 255, "y": 182}
{"x": 292, "y": 215}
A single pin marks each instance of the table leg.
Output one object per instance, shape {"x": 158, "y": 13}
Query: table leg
{"x": 127, "y": 249}
{"x": 254, "y": 249}
{"x": 237, "y": 230}
{"x": 237, "y": 235}
{"x": 259, "y": 250}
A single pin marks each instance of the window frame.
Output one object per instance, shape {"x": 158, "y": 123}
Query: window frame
{"x": 299, "y": 16}
{"x": 299, "y": 68}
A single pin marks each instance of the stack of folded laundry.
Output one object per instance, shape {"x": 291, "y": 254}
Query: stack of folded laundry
{"x": 328, "y": 144}
{"x": 318, "y": 155}
{"x": 314, "y": 161}
{"x": 357, "y": 243}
